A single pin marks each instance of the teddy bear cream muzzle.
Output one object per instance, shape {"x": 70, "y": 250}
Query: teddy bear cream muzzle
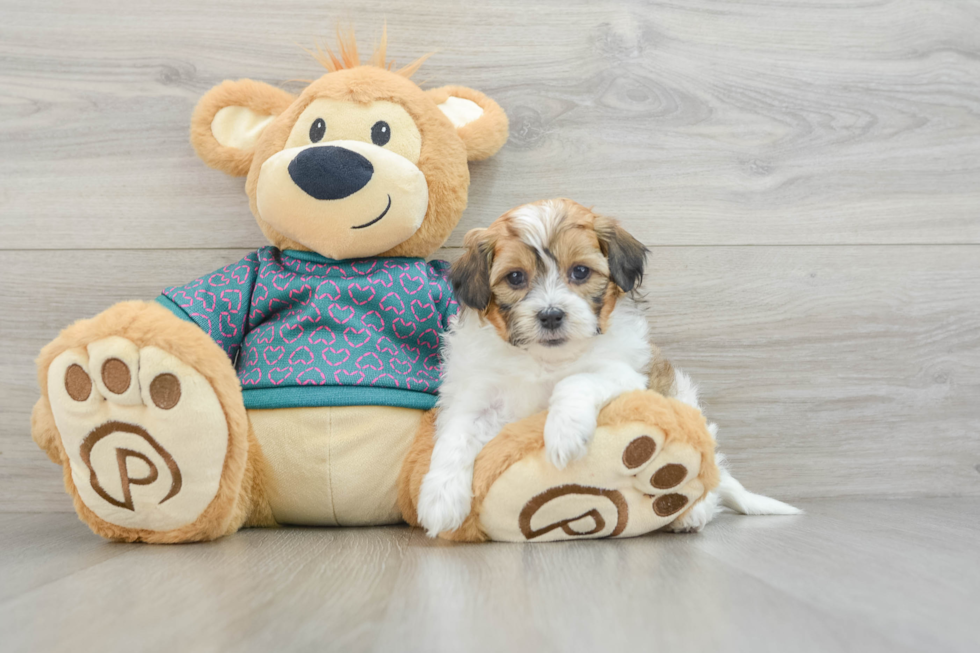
{"x": 344, "y": 199}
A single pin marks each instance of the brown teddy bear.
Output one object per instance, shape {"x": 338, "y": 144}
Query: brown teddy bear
{"x": 296, "y": 385}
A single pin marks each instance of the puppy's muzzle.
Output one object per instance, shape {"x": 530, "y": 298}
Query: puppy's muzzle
{"x": 330, "y": 172}
{"x": 551, "y": 318}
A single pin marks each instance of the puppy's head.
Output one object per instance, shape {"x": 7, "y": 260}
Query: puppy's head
{"x": 547, "y": 275}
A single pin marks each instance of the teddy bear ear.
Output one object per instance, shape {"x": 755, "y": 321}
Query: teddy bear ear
{"x": 229, "y": 120}
{"x": 478, "y": 120}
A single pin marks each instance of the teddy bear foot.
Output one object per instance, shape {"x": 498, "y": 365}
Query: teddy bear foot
{"x": 144, "y": 433}
{"x": 650, "y": 462}
{"x": 149, "y": 450}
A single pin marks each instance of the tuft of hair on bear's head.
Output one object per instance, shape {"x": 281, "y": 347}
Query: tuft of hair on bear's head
{"x": 348, "y": 56}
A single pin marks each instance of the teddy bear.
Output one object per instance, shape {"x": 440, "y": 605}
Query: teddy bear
{"x": 297, "y": 386}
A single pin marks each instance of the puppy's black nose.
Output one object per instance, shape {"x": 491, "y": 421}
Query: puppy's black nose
{"x": 551, "y": 318}
{"x": 328, "y": 172}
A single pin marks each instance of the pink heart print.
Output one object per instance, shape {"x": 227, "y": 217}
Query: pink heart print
{"x": 300, "y": 295}
{"x": 369, "y": 361}
{"x": 322, "y": 335}
{"x": 392, "y": 302}
{"x": 279, "y": 374}
{"x": 364, "y": 267}
{"x": 207, "y": 298}
{"x": 341, "y": 314}
{"x": 241, "y": 273}
{"x": 290, "y": 333}
{"x": 282, "y": 281}
{"x": 182, "y": 299}
{"x": 373, "y": 320}
{"x": 328, "y": 289}
{"x": 228, "y": 328}
{"x": 356, "y": 337}
{"x": 417, "y": 384}
{"x": 218, "y": 280}
{"x": 311, "y": 376}
{"x": 361, "y": 295}
{"x": 411, "y": 284}
{"x": 286, "y": 320}
{"x": 429, "y": 338}
{"x": 273, "y": 355}
{"x": 382, "y": 278}
{"x": 400, "y": 366}
{"x": 260, "y": 294}
{"x": 232, "y": 297}
{"x": 343, "y": 377}
{"x": 386, "y": 379}
{"x": 335, "y": 357}
{"x": 266, "y": 335}
{"x": 301, "y": 356}
{"x": 386, "y": 346}
{"x": 403, "y": 329}
{"x": 411, "y": 353}
{"x": 421, "y": 311}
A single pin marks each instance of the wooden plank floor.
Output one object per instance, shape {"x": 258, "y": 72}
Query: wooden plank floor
{"x": 807, "y": 176}
{"x": 850, "y": 575}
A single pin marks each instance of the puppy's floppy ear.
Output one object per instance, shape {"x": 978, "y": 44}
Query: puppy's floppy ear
{"x": 478, "y": 120}
{"x": 627, "y": 255}
{"x": 229, "y": 120}
{"x": 470, "y": 274}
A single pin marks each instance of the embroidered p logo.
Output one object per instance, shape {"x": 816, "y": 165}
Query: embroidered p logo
{"x": 128, "y": 475}
{"x": 578, "y": 510}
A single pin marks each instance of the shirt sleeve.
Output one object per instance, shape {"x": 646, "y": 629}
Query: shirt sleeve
{"x": 442, "y": 292}
{"x": 218, "y": 302}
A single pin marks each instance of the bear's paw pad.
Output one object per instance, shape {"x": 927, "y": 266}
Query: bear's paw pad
{"x": 144, "y": 433}
{"x": 633, "y": 480}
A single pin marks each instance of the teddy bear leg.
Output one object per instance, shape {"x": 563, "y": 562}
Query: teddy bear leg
{"x": 650, "y": 462}
{"x": 145, "y": 414}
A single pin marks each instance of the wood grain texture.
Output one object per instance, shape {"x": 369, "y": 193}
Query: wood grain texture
{"x": 847, "y": 576}
{"x": 706, "y": 122}
{"x": 832, "y": 371}
{"x": 773, "y": 155}
{"x": 807, "y": 176}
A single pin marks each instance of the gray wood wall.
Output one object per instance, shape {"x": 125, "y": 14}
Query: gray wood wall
{"x": 807, "y": 176}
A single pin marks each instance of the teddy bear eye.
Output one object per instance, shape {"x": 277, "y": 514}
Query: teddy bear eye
{"x": 317, "y": 130}
{"x": 380, "y": 133}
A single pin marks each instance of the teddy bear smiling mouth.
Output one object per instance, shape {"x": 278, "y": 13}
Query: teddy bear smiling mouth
{"x": 377, "y": 219}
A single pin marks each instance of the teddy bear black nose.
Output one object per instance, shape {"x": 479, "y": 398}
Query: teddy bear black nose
{"x": 329, "y": 172}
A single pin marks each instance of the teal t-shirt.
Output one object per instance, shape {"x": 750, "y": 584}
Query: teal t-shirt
{"x": 304, "y": 330}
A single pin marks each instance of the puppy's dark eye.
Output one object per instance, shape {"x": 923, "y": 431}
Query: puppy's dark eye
{"x": 580, "y": 273}
{"x": 380, "y": 133}
{"x": 317, "y": 130}
{"x": 516, "y": 278}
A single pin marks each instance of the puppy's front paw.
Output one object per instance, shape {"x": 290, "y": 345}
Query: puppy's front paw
{"x": 567, "y": 433}
{"x": 444, "y": 502}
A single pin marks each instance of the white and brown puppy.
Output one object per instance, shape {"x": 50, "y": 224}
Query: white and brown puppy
{"x": 546, "y": 321}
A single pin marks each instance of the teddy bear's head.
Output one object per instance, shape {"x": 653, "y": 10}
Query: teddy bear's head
{"x": 362, "y": 163}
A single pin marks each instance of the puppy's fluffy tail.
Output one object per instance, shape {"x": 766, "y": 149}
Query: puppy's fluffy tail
{"x": 731, "y": 493}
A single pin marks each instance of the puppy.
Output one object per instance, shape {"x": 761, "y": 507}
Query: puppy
{"x": 547, "y": 321}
